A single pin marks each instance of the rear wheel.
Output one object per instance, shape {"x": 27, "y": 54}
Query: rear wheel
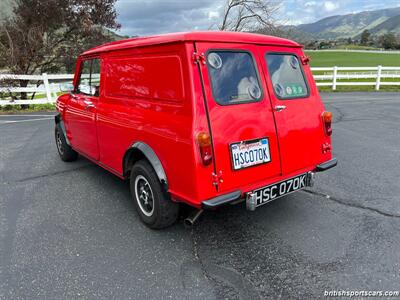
{"x": 64, "y": 150}
{"x": 152, "y": 202}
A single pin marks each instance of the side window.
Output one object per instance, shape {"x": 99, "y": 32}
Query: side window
{"x": 84, "y": 79}
{"x": 89, "y": 80}
{"x": 95, "y": 76}
{"x": 233, "y": 77}
{"x": 287, "y": 76}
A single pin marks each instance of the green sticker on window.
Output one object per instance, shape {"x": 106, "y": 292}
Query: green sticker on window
{"x": 294, "y": 89}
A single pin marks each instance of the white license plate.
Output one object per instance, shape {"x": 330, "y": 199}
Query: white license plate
{"x": 250, "y": 153}
{"x": 269, "y": 193}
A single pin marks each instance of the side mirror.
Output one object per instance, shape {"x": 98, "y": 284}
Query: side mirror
{"x": 66, "y": 87}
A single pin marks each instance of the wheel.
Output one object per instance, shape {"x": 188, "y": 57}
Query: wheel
{"x": 152, "y": 202}
{"x": 64, "y": 150}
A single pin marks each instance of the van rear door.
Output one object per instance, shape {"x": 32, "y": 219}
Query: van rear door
{"x": 242, "y": 124}
{"x": 297, "y": 108}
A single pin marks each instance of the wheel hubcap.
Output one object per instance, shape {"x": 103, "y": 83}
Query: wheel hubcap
{"x": 59, "y": 143}
{"x": 144, "y": 195}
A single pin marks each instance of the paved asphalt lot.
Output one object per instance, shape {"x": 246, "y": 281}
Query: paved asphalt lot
{"x": 69, "y": 230}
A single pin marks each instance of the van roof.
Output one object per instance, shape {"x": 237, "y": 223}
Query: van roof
{"x": 199, "y": 36}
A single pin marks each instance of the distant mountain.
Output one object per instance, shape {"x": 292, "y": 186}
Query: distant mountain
{"x": 390, "y": 25}
{"x": 351, "y": 25}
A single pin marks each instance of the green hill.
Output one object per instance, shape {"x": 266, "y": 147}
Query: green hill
{"x": 351, "y": 25}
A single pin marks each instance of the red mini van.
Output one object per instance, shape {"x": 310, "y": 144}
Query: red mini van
{"x": 202, "y": 118}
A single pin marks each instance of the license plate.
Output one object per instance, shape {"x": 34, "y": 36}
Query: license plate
{"x": 269, "y": 193}
{"x": 250, "y": 153}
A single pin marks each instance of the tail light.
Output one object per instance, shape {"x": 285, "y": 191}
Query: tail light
{"x": 327, "y": 120}
{"x": 204, "y": 142}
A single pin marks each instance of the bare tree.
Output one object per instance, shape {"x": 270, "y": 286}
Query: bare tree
{"x": 249, "y": 15}
{"x": 42, "y": 36}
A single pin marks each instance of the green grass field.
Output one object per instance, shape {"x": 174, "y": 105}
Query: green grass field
{"x": 356, "y": 47}
{"x": 355, "y": 59}
{"x": 352, "y": 59}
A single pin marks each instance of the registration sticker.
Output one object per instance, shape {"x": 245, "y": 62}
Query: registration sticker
{"x": 250, "y": 153}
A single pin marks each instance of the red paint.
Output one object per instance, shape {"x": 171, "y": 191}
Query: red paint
{"x": 151, "y": 91}
{"x": 82, "y": 127}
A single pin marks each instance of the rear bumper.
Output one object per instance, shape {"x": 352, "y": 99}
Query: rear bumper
{"x": 326, "y": 165}
{"x": 221, "y": 200}
{"x": 235, "y": 196}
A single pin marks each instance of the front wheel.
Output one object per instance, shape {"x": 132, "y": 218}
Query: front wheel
{"x": 64, "y": 150}
{"x": 152, "y": 202}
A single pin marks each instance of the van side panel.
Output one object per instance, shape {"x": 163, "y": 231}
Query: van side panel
{"x": 134, "y": 77}
{"x": 146, "y": 98}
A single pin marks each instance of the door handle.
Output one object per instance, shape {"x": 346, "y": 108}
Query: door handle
{"x": 279, "y": 107}
{"x": 89, "y": 105}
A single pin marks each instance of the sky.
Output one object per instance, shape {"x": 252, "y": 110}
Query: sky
{"x": 161, "y": 16}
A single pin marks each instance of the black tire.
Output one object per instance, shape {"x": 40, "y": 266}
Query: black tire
{"x": 152, "y": 202}
{"x": 64, "y": 150}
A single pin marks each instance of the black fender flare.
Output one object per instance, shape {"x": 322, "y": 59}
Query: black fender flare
{"x": 59, "y": 122}
{"x": 151, "y": 156}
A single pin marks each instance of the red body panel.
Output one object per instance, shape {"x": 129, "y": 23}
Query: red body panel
{"x": 152, "y": 92}
{"x": 163, "y": 123}
{"x": 81, "y": 124}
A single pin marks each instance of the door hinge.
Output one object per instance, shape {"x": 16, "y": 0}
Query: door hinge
{"x": 217, "y": 178}
{"x": 199, "y": 58}
{"x": 305, "y": 59}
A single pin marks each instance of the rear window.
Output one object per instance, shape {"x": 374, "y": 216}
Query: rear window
{"x": 287, "y": 76}
{"x": 233, "y": 77}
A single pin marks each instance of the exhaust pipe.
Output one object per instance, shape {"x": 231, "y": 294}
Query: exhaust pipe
{"x": 191, "y": 220}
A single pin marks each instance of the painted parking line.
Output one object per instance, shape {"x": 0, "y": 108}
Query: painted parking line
{"x": 21, "y": 121}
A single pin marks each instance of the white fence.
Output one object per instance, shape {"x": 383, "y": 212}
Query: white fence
{"x": 49, "y": 85}
{"x": 44, "y": 85}
{"x": 334, "y": 76}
